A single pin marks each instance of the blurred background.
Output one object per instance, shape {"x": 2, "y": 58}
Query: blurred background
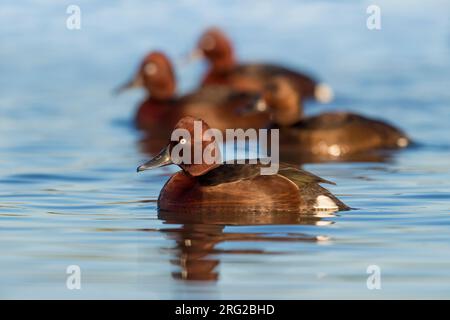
{"x": 69, "y": 194}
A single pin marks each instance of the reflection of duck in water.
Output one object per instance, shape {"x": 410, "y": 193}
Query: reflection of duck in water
{"x": 197, "y": 254}
{"x": 235, "y": 187}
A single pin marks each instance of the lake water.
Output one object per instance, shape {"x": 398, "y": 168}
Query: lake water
{"x": 69, "y": 193}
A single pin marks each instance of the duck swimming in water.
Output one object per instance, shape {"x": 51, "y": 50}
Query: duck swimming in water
{"x": 205, "y": 187}
{"x": 162, "y": 109}
{"x": 217, "y": 48}
{"x": 330, "y": 134}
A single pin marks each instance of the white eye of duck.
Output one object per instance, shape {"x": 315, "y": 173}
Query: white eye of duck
{"x": 183, "y": 141}
{"x": 150, "y": 69}
{"x": 208, "y": 43}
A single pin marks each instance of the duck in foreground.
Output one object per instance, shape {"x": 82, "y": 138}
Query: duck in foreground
{"x": 217, "y": 48}
{"x": 162, "y": 109}
{"x": 213, "y": 187}
{"x": 330, "y": 134}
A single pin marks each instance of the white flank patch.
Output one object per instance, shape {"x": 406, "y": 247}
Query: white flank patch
{"x": 402, "y": 142}
{"x": 325, "y": 203}
{"x": 334, "y": 150}
{"x": 323, "y": 93}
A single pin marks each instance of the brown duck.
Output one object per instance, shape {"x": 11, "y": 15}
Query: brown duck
{"x": 197, "y": 252}
{"x": 331, "y": 134}
{"x": 160, "y": 111}
{"x": 235, "y": 188}
{"x": 217, "y": 48}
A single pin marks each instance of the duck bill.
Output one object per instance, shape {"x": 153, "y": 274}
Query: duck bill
{"x": 161, "y": 160}
{"x": 259, "y": 105}
{"x": 137, "y": 82}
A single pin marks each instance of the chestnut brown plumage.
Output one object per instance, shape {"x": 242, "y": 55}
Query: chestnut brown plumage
{"x": 198, "y": 237}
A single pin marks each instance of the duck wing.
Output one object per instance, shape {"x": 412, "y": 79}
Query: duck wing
{"x": 307, "y": 184}
{"x": 263, "y": 70}
{"x": 313, "y": 194}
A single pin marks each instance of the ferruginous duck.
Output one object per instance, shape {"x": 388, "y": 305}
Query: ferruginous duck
{"x": 207, "y": 186}
{"x": 330, "y": 134}
{"x": 219, "y": 105}
{"x": 218, "y": 50}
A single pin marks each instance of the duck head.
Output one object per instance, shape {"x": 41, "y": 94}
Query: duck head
{"x": 282, "y": 100}
{"x": 156, "y": 75}
{"x": 216, "y": 47}
{"x": 193, "y": 147}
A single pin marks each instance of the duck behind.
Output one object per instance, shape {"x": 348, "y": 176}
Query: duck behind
{"x": 160, "y": 111}
{"x": 331, "y": 134}
{"x": 235, "y": 188}
{"x": 217, "y": 48}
